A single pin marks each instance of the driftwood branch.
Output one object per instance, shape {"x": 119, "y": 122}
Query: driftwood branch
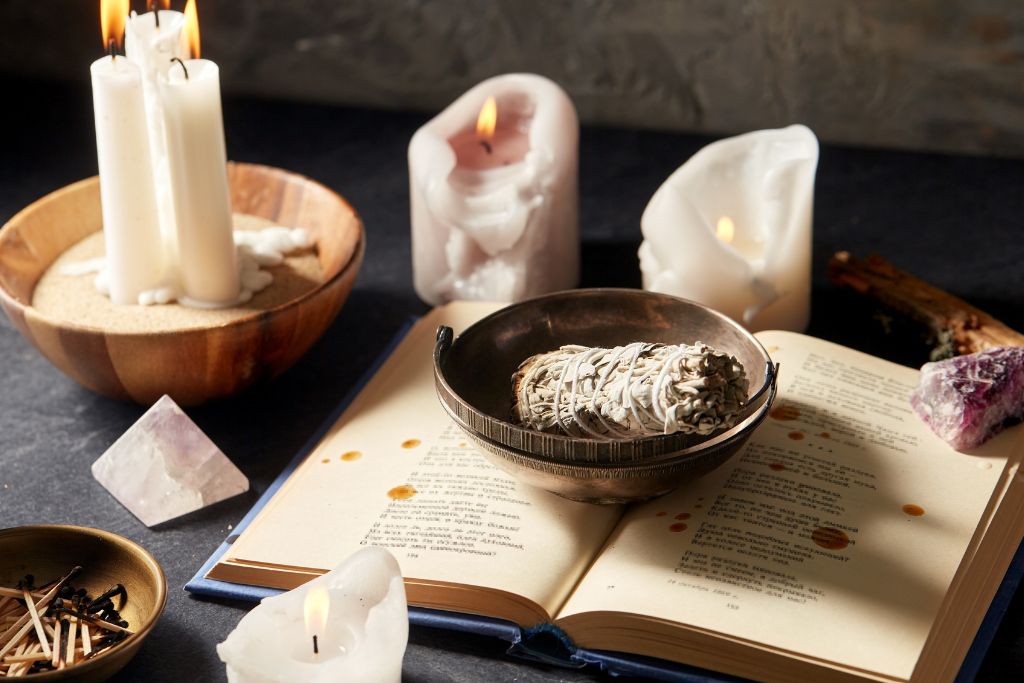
{"x": 958, "y": 327}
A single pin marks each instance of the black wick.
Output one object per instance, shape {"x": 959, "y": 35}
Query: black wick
{"x": 487, "y": 146}
{"x": 316, "y": 646}
{"x": 175, "y": 59}
{"x": 154, "y": 7}
{"x": 112, "y": 48}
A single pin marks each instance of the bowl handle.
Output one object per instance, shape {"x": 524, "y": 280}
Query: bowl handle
{"x": 445, "y": 335}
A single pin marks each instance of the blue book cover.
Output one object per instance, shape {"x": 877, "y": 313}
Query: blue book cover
{"x": 546, "y": 643}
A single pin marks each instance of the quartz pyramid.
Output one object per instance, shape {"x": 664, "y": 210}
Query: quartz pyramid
{"x": 164, "y": 466}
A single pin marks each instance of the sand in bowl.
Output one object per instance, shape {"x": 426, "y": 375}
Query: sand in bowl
{"x": 74, "y": 298}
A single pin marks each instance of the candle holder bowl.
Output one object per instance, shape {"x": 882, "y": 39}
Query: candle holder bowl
{"x": 50, "y": 551}
{"x": 473, "y": 374}
{"x": 197, "y": 362}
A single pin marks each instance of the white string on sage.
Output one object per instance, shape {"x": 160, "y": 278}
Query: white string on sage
{"x": 640, "y": 389}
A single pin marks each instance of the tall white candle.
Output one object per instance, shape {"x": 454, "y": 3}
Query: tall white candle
{"x": 152, "y": 45}
{"x": 494, "y": 215}
{"x": 131, "y": 227}
{"x": 198, "y": 165}
{"x": 731, "y": 229}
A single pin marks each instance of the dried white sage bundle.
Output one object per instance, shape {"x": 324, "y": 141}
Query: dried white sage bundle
{"x": 640, "y": 389}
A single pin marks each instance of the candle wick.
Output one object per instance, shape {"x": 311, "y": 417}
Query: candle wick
{"x": 155, "y": 8}
{"x": 111, "y": 49}
{"x": 316, "y": 646}
{"x": 487, "y": 146}
{"x": 176, "y": 59}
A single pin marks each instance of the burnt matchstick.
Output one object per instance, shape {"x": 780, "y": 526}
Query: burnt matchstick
{"x": 116, "y": 589}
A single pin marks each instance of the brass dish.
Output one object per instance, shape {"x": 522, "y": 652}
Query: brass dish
{"x": 473, "y": 379}
{"x": 50, "y": 551}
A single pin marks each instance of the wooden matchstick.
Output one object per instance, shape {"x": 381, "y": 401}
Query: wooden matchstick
{"x": 16, "y": 640}
{"x": 40, "y": 633}
{"x": 72, "y": 636}
{"x": 17, "y": 593}
{"x": 28, "y": 657}
{"x": 43, "y": 602}
{"x": 86, "y": 639}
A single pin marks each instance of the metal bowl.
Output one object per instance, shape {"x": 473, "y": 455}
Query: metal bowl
{"x": 473, "y": 378}
{"x": 50, "y": 550}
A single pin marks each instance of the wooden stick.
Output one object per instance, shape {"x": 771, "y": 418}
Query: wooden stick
{"x": 43, "y": 602}
{"x": 17, "y": 593}
{"x": 40, "y": 633}
{"x": 86, "y": 639}
{"x": 16, "y": 640}
{"x": 952, "y": 320}
{"x": 56, "y": 644}
{"x": 28, "y": 657}
{"x": 72, "y": 636}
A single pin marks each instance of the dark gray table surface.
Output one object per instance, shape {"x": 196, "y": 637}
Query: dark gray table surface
{"x": 954, "y": 221}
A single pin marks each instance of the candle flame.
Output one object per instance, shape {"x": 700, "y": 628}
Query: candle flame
{"x": 488, "y": 119}
{"x": 191, "y": 29}
{"x": 725, "y": 229}
{"x": 113, "y": 14}
{"x": 315, "y": 610}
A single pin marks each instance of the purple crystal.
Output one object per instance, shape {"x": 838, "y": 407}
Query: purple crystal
{"x": 967, "y": 399}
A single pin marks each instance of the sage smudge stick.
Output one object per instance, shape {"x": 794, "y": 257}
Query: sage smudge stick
{"x": 640, "y": 389}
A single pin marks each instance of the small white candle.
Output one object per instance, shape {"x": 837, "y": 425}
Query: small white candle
{"x": 357, "y": 612}
{"x": 731, "y": 229}
{"x": 152, "y": 44}
{"x": 190, "y": 92}
{"x": 494, "y": 208}
{"x": 131, "y": 227}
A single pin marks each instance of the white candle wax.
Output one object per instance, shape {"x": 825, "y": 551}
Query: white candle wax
{"x": 152, "y": 47}
{"x": 198, "y": 166}
{"x": 131, "y": 227}
{"x": 362, "y": 639}
{"x": 495, "y": 217}
{"x": 731, "y": 229}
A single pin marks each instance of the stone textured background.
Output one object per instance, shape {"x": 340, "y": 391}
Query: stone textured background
{"x": 917, "y": 74}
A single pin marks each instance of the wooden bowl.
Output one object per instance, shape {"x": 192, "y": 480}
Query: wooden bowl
{"x": 50, "y": 551}
{"x": 192, "y": 364}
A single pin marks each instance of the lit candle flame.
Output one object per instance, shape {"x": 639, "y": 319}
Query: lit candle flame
{"x": 192, "y": 28}
{"x": 725, "y": 229}
{"x": 315, "y": 610}
{"x": 113, "y": 14}
{"x": 488, "y": 119}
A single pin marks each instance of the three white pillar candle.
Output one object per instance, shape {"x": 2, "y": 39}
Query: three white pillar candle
{"x": 163, "y": 166}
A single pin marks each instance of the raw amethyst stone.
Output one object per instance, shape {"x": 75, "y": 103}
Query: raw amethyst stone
{"x": 967, "y": 399}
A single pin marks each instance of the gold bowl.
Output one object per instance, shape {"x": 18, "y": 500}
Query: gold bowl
{"x": 198, "y": 361}
{"x": 50, "y": 551}
{"x": 473, "y": 379}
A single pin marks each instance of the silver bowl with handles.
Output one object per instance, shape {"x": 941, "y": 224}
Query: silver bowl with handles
{"x": 473, "y": 377}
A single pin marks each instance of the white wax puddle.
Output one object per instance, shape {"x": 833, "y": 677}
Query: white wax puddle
{"x": 255, "y": 250}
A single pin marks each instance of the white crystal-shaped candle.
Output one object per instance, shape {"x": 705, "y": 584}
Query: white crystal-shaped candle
{"x": 493, "y": 189}
{"x": 358, "y": 613}
{"x": 164, "y": 466}
{"x": 731, "y": 229}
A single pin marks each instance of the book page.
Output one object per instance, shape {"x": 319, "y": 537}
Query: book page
{"x": 833, "y": 534}
{"x": 396, "y": 472}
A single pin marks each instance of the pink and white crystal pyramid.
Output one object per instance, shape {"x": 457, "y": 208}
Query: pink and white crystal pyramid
{"x": 164, "y": 466}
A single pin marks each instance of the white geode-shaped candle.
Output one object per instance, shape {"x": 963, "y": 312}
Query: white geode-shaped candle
{"x": 731, "y": 229}
{"x": 357, "y": 613}
{"x": 494, "y": 194}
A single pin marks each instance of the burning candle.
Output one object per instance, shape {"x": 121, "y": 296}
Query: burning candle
{"x": 152, "y": 40}
{"x": 350, "y": 624}
{"x": 190, "y": 92}
{"x": 494, "y": 194}
{"x": 131, "y": 227}
{"x": 731, "y": 229}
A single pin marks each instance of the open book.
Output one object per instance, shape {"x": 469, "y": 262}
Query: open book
{"x": 844, "y": 542}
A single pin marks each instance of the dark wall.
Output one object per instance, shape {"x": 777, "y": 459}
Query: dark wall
{"x": 917, "y": 74}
